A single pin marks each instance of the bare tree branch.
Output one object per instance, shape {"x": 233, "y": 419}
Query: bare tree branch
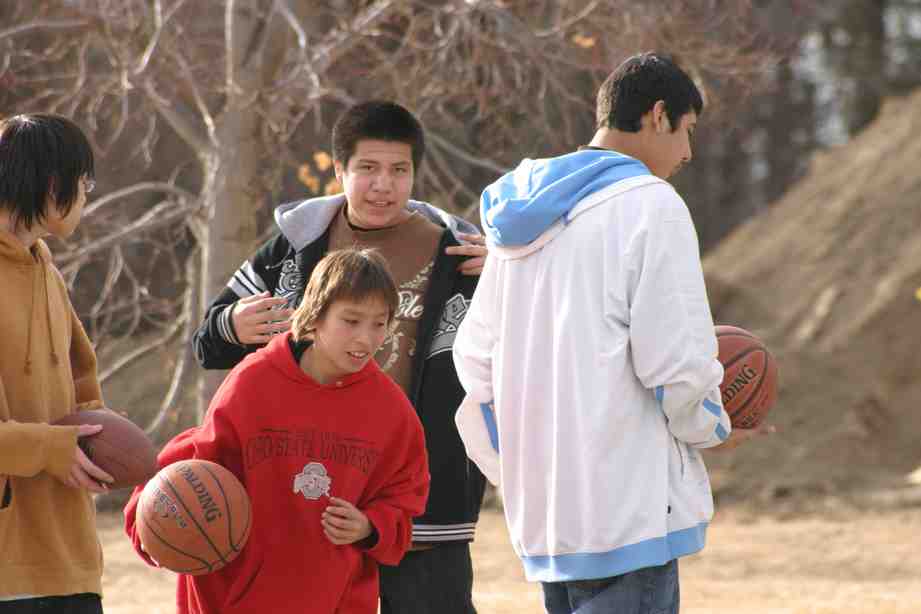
{"x": 457, "y": 152}
{"x": 144, "y": 60}
{"x": 229, "y": 47}
{"x": 139, "y": 351}
{"x": 43, "y": 24}
{"x": 340, "y": 42}
{"x": 163, "y": 214}
{"x": 146, "y": 186}
{"x": 184, "y": 365}
{"x": 180, "y": 122}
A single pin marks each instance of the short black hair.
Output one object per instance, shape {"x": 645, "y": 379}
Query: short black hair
{"x": 41, "y": 156}
{"x": 379, "y": 120}
{"x": 637, "y": 84}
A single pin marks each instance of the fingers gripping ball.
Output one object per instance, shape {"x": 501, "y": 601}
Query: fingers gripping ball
{"x": 121, "y": 448}
{"x": 194, "y": 517}
{"x": 749, "y": 386}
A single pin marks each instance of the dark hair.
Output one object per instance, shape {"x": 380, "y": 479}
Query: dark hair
{"x": 637, "y": 84}
{"x": 345, "y": 274}
{"x": 379, "y": 120}
{"x": 41, "y": 156}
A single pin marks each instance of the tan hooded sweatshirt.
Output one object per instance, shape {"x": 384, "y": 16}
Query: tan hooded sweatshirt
{"x": 48, "y": 542}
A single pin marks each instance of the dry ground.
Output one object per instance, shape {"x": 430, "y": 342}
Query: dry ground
{"x": 844, "y": 561}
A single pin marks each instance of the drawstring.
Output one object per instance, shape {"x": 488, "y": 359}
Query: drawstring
{"x": 47, "y": 304}
{"x": 54, "y": 354}
{"x": 31, "y": 320}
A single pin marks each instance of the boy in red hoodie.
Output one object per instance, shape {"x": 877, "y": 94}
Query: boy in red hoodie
{"x": 328, "y": 447}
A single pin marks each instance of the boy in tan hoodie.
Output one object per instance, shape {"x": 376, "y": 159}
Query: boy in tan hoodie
{"x": 50, "y": 556}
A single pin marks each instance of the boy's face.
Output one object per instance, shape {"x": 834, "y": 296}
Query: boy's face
{"x": 347, "y": 337}
{"x": 378, "y": 181}
{"x": 668, "y": 150}
{"x": 62, "y": 226}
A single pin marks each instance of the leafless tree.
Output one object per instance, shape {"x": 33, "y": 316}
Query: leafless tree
{"x": 203, "y": 112}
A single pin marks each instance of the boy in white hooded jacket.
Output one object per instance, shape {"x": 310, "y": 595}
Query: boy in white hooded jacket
{"x": 589, "y": 356}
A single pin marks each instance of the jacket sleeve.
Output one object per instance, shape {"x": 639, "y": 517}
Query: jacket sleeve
{"x": 215, "y": 440}
{"x": 473, "y": 349}
{"x": 215, "y": 342}
{"x": 28, "y": 448}
{"x": 672, "y": 337}
{"x": 403, "y": 496}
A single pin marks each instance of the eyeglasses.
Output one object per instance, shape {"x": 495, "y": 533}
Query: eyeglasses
{"x": 89, "y": 185}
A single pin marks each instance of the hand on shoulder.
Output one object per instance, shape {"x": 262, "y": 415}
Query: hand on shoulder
{"x": 476, "y": 250}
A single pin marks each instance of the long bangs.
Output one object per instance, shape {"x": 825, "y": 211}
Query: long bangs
{"x": 347, "y": 274}
{"x": 41, "y": 156}
{"x": 367, "y": 281}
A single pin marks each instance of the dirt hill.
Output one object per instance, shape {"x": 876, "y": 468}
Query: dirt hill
{"x": 827, "y": 276}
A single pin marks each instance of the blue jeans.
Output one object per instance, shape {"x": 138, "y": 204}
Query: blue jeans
{"x": 652, "y": 590}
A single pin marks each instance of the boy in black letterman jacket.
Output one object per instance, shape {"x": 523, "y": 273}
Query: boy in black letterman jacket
{"x": 377, "y": 146}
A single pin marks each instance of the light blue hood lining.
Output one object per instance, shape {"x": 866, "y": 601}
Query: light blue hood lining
{"x": 522, "y": 204}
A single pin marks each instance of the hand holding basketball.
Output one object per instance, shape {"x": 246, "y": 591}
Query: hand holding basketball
{"x": 111, "y": 448}
{"x": 83, "y": 473}
{"x": 194, "y": 517}
{"x": 739, "y": 436}
{"x": 749, "y": 386}
{"x": 344, "y": 523}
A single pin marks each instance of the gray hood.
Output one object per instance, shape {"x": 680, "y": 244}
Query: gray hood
{"x": 303, "y": 221}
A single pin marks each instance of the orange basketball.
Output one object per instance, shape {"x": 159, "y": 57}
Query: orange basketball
{"x": 749, "y": 386}
{"x": 194, "y": 517}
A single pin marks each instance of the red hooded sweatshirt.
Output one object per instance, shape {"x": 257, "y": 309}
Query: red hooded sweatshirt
{"x": 270, "y": 423}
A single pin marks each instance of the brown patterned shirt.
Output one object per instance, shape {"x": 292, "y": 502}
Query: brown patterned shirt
{"x": 409, "y": 248}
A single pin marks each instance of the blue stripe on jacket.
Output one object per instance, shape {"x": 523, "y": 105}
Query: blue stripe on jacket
{"x": 588, "y": 566}
{"x": 489, "y": 417}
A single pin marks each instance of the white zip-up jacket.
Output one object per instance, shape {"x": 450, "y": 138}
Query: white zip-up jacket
{"x": 590, "y": 363}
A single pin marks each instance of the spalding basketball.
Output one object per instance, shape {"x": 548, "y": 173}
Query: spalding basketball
{"x": 121, "y": 448}
{"x": 194, "y": 517}
{"x": 749, "y": 386}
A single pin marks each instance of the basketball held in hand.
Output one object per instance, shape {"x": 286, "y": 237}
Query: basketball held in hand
{"x": 749, "y": 386}
{"x": 121, "y": 448}
{"x": 194, "y": 517}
